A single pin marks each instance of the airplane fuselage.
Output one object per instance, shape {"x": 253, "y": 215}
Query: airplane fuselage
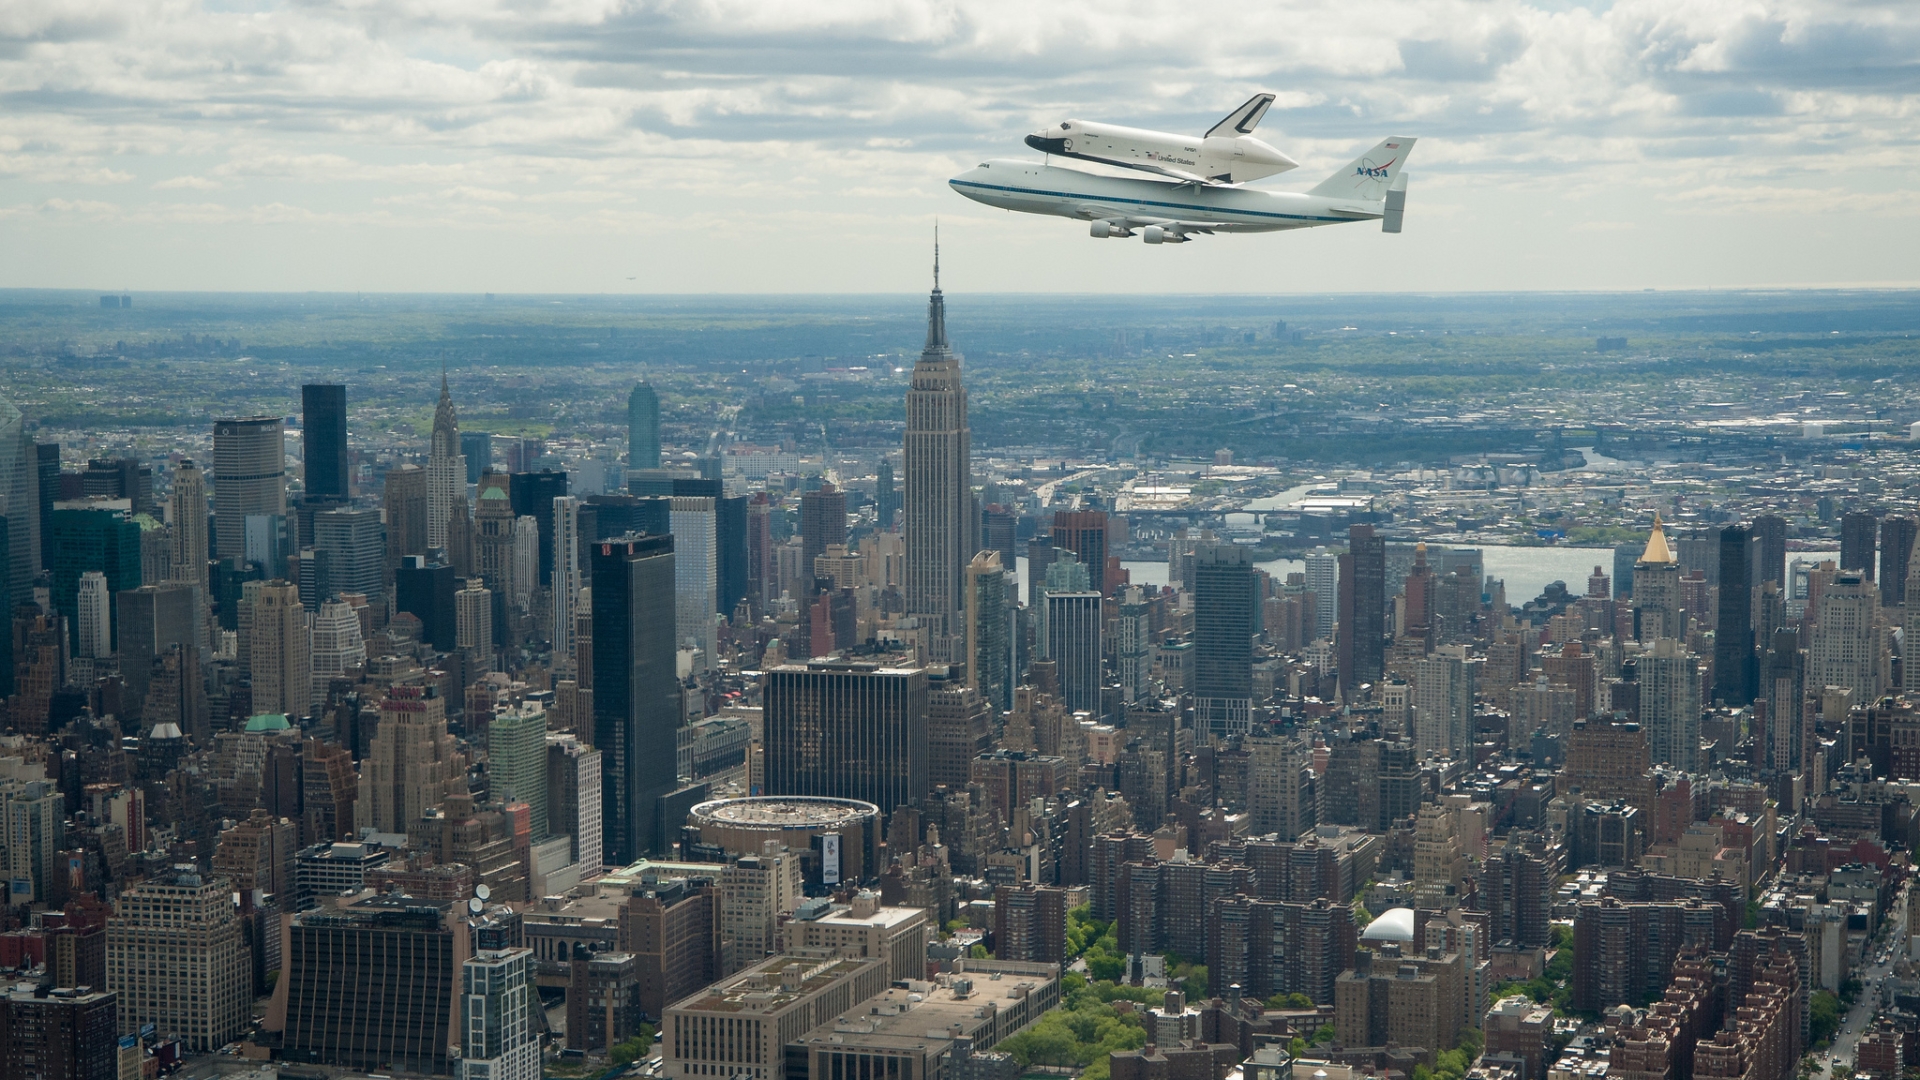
{"x": 1129, "y": 202}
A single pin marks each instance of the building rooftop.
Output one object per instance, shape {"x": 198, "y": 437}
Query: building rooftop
{"x": 769, "y": 987}
{"x": 921, "y": 1014}
{"x": 1394, "y": 924}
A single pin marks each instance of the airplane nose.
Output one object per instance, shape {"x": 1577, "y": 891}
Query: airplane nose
{"x": 1046, "y": 145}
{"x": 1263, "y": 154}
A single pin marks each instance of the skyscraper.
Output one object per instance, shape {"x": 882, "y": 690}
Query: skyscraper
{"x": 848, "y": 730}
{"x": 88, "y": 535}
{"x": 153, "y": 619}
{"x": 406, "y": 504}
{"x": 1363, "y": 602}
{"x": 1656, "y": 589}
{"x": 497, "y": 999}
{"x": 939, "y": 482}
{"x": 1323, "y": 581}
{"x": 47, "y": 461}
{"x": 178, "y": 960}
{"x": 1734, "y": 666}
{"x": 574, "y": 776}
{"x": 532, "y": 495}
{"x": 643, "y": 428}
{"x": 323, "y": 432}
{"x": 1783, "y": 686}
{"x": 281, "y": 656}
{"x": 446, "y": 471}
{"x": 989, "y": 659}
{"x": 1223, "y": 629}
{"x": 517, "y": 760}
{"x": 1443, "y": 704}
{"x": 565, "y": 580}
{"x": 1133, "y": 645}
{"x": 636, "y": 698}
{"x": 473, "y": 624}
{"x": 696, "y": 567}
{"x": 1896, "y": 554}
{"x": 493, "y": 530}
{"x": 93, "y": 618}
{"x": 189, "y": 521}
{"x": 1670, "y": 702}
{"x": 411, "y": 765}
{"x": 426, "y": 591}
{"x": 886, "y": 497}
{"x": 350, "y": 545}
{"x": 1857, "y": 529}
{"x": 1845, "y": 649}
{"x": 1073, "y": 644}
{"x": 19, "y": 500}
{"x": 1084, "y": 532}
{"x": 730, "y": 535}
{"x": 823, "y": 521}
{"x": 249, "y": 478}
{"x": 338, "y": 647}
{"x": 1771, "y": 531}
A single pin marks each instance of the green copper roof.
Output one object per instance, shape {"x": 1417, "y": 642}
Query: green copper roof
{"x": 268, "y": 722}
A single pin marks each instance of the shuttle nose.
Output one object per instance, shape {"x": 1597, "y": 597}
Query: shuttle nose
{"x": 1040, "y": 142}
{"x": 1261, "y": 153}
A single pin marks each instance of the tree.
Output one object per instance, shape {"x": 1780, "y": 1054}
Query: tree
{"x": 1297, "y": 1048}
{"x": 633, "y": 1049}
{"x": 1823, "y": 1017}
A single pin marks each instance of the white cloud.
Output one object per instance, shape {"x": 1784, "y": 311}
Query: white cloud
{"x": 549, "y": 114}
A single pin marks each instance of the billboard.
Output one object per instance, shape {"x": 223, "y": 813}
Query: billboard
{"x": 830, "y": 859}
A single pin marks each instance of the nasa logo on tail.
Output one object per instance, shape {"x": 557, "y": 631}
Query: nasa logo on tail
{"x": 1367, "y": 170}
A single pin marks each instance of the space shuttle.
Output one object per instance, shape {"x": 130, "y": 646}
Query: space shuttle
{"x": 1227, "y": 154}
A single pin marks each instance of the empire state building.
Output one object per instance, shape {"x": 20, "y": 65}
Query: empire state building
{"x": 939, "y": 490}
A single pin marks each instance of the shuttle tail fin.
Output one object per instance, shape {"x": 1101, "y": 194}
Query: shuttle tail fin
{"x": 1244, "y": 119}
{"x": 1368, "y": 176}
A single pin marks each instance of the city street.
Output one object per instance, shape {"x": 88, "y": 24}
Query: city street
{"x": 1891, "y": 943}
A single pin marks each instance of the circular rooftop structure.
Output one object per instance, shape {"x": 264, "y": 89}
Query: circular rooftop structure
{"x": 779, "y": 813}
{"x": 1394, "y": 924}
{"x": 836, "y": 837}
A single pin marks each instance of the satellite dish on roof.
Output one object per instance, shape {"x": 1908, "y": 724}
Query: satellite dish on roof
{"x": 483, "y": 892}
{"x": 474, "y": 905}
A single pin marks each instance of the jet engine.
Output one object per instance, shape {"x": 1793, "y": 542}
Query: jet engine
{"x": 1104, "y": 229}
{"x": 1154, "y": 234}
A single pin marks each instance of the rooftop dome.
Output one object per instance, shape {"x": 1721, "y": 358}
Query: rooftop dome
{"x": 1394, "y": 924}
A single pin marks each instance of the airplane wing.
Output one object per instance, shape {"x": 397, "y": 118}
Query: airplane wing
{"x": 1161, "y": 170}
{"x": 1244, "y": 119}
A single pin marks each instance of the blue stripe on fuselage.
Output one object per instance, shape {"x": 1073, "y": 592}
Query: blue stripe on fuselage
{"x": 1145, "y": 202}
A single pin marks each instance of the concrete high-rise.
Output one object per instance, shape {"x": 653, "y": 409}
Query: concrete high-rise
{"x": 473, "y": 621}
{"x": 152, "y": 619}
{"x": 338, "y": 646}
{"x": 323, "y": 434}
{"x": 1734, "y": 667}
{"x": 1323, "y": 581}
{"x": 574, "y": 778}
{"x": 937, "y": 513}
{"x": 19, "y": 501}
{"x": 34, "y": 816}
{"x": 1443, "y": 704}
{"x": 493, "y": 531}
{"x": 1670, "y": 703}
{"x": 643, "y": 428}
{"x": 1783, "y": 685}
{"x": 636, "y": 696}
{"x": 1133, "y": 645}
{"x": 177, "y": 959}
{"x": 846, "y": 730}
{"x": 188, "y": 518}
{"x": 411, "y": 765}
{"x": 350, "y": 555}
{"x": 496, "y": 1016}
{"x": 93, "y": 617}
{"x": 281, "y": 652}
{"x": 1845, "y": 648}
{"x": 1656, "y": 590}
{"x": 1857, "y": 535}
{"x": 989, "y": 657}
{"x": 249, "y": 478}
{"x": 1362, "y": 625}
{"x": 69, "y": 1033}
{"x": 1223, "y": 629}
{"x": 446, "y": 474}
{"x": 406, "y": 512}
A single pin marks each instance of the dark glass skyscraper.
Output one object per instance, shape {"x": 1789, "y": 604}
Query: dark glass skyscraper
{"x": 886, "y": 497}
{"x": 323, "y": 431}
{"x": 425, "y": 590}
{"x": 1084, "y": 532}
{"x": 1363, "y": 601}
{"x": 846, "y": 730}
{"x": 1857, "y": 533}
{"x": 1896, "y": 549}
{"x": 477, "y": 448}
{"x": 1733, "y": 658}
{"x": 531, "y": 495}
{"x": 91, "y": 538}
{"x": 47, "y": 460}
{"x": 1771, "y": 529}
{"x": 643, "y": 428}
{"x": 823, "y": 522}
{"x": 636, "y": 696}
{"x": 1223, "y": 629}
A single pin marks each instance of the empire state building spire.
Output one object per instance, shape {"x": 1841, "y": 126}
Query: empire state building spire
{"x": 937, "y": 510}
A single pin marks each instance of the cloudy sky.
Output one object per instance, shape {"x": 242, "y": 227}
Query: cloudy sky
{"x": 803, "y": 145}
